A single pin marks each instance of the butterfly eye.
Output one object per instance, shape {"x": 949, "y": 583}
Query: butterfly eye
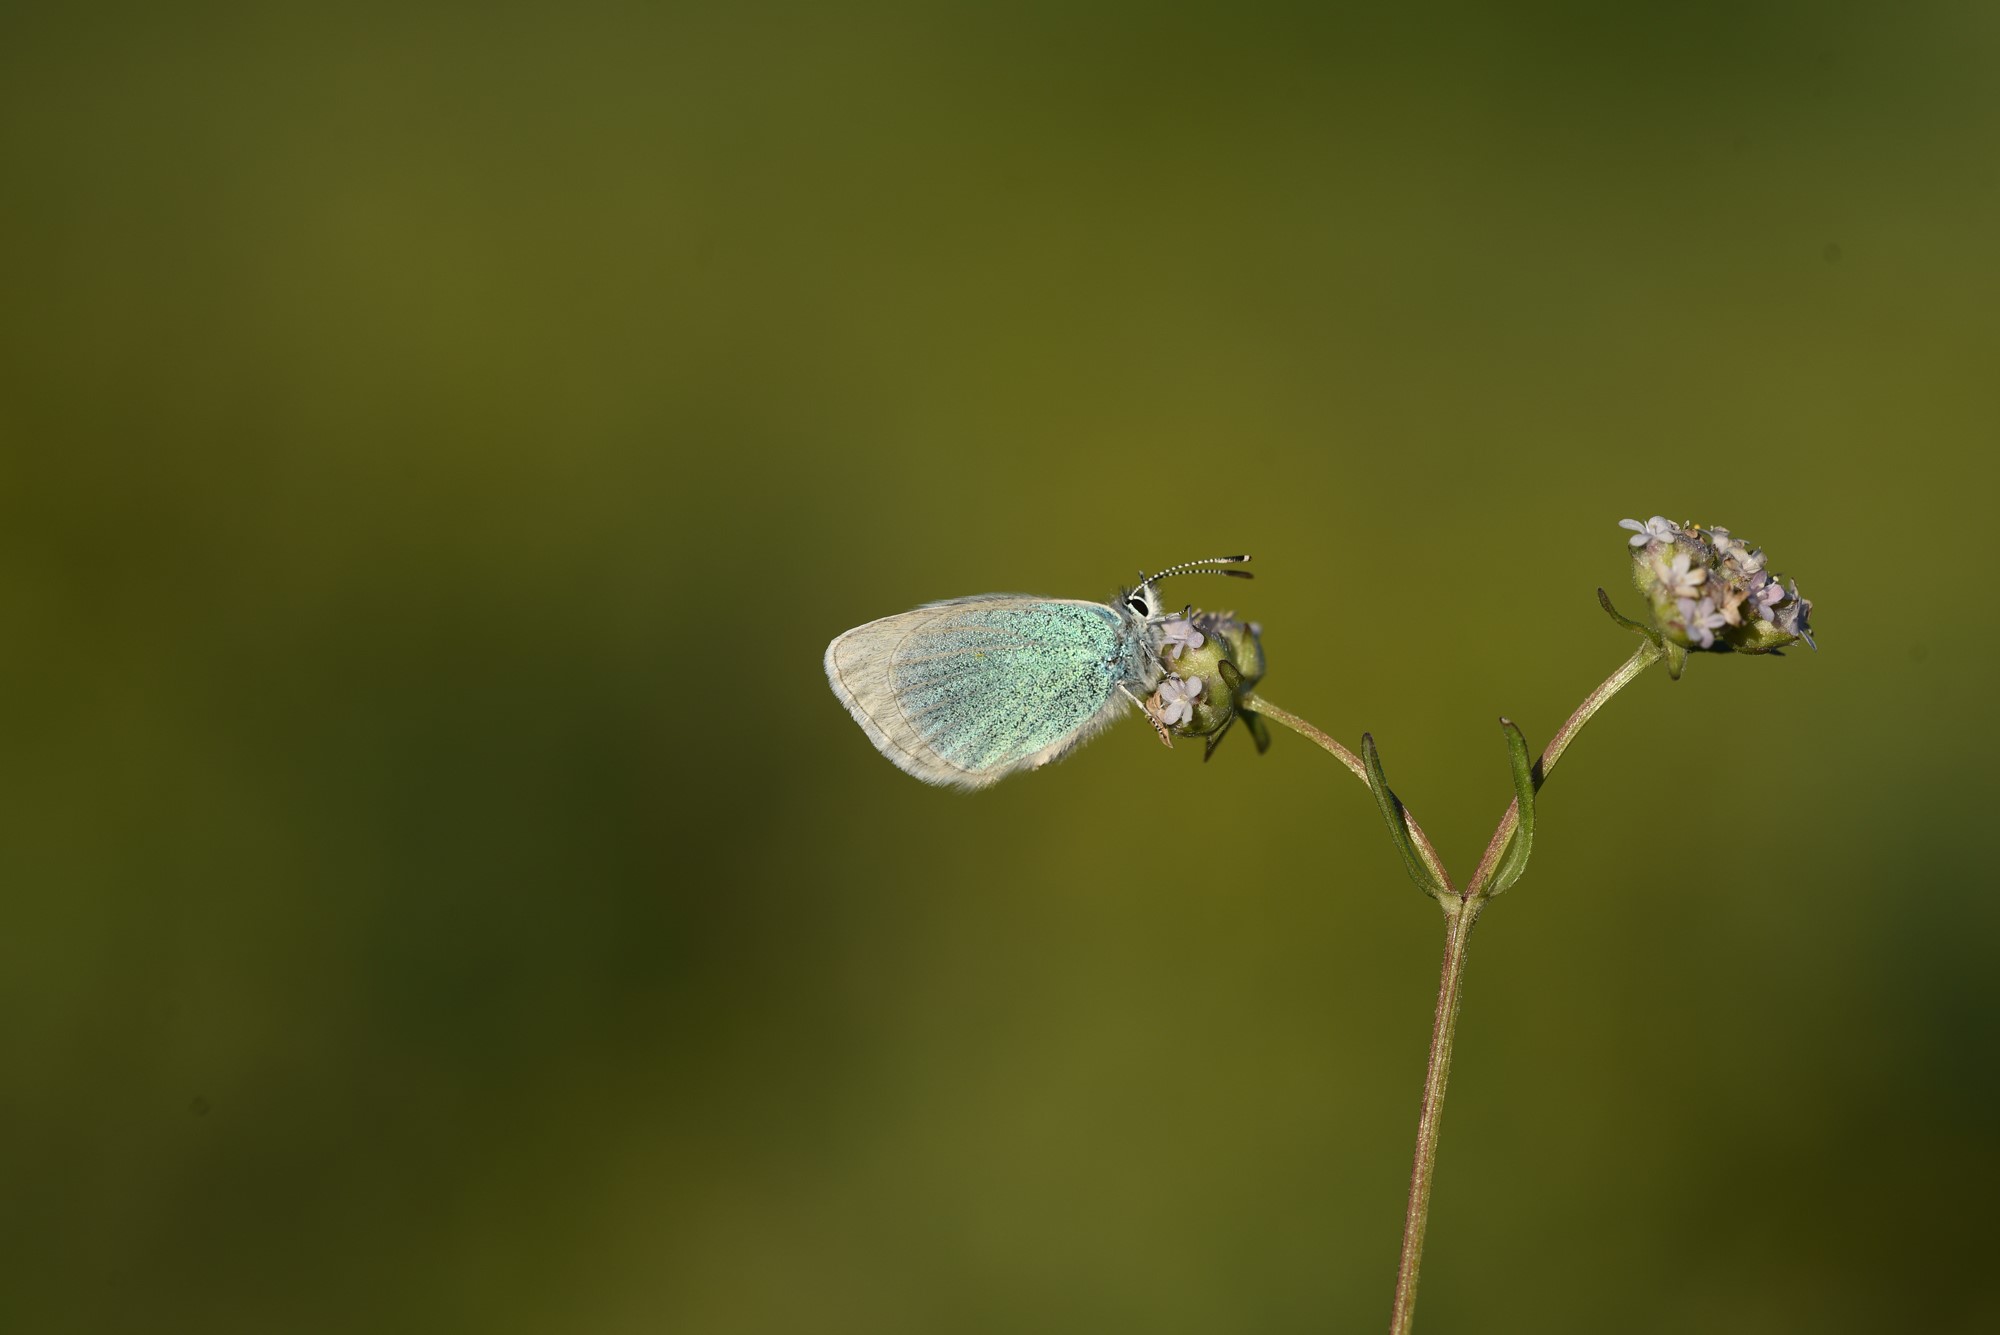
{"x": 1137, "y": 602}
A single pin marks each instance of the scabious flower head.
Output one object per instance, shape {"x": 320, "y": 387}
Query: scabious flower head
{"x": 1211, "y": 657}
{"x": 1710, "y": 590}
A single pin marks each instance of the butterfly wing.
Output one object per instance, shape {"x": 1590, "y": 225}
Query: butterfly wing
{"x": 967, "y": 691}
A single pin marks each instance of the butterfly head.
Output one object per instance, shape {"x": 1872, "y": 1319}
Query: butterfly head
{"x": 1142, "y": 602}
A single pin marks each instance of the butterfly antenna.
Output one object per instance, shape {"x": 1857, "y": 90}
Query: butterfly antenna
{"x": 1194, "y": 568}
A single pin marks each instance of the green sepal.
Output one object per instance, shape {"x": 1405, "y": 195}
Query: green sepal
{"x": 1636, "y": 627}
{"x": 1677, "y": 657}
{"x": 1260, "y": 731}
{"x": 1514, "y": 861}
{"x": 1234, "y": 681}
{"x": 1392, "y": 816}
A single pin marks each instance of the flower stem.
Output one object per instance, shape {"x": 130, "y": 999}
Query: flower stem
{"x": 1257, "y": 704}
{"x": 1459, "y": 918}
{"x": 1642, "y": 658}
{"x": 1461, "y": 912}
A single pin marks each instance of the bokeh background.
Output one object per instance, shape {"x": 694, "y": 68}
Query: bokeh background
{"x": 438, "y": 441}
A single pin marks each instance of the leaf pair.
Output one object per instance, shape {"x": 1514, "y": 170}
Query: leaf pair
{"x": 1513, "y": 862}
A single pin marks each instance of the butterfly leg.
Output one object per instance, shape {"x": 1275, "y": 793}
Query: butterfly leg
{"x": 1151, "y": 717}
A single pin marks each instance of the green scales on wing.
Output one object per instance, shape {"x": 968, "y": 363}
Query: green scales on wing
{"x": 986, "y": 683}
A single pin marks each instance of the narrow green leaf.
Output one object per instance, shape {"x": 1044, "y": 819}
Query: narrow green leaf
{"x": 1392, "y": 815}
{"x": 1260, "y": 731}
{"x": 1515, "y": 860}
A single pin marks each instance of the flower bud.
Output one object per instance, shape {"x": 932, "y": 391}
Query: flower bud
{"x": 1709, "y": 591}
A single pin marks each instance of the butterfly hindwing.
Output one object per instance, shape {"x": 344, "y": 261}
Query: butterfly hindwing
{"x": 966, "y": 691}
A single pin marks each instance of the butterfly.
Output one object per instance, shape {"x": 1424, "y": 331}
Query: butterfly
{"x": 969, "y": 690}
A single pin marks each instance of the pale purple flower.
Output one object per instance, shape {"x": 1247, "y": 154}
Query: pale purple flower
{"x": 1657, "y": 529}
{"x": 1701, "y": 620}
{"x": 1178, "y": 633}
{"x": 1177, "y": 700}
{"x": 1680, "y": 577}
{"x": 1765, "y": 595}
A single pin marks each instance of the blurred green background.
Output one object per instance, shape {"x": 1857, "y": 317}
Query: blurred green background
{"x": 441, "y": 893}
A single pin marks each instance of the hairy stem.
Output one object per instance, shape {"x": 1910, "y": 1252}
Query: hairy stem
{"x": 1642, "y": 658}
{"x": 1461, "y": 911}
{"x": 1460, "y": 915}
{"x": 1257, "y": 704}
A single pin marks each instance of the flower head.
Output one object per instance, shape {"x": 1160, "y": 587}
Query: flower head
{"x": 1711, "y": 590}
{"x": 1210, "y": 660}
